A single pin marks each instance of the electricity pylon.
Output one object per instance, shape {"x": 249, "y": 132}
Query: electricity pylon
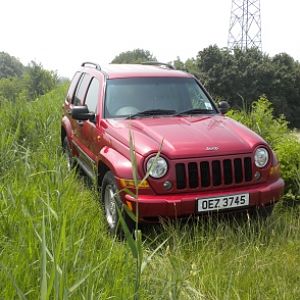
{"x": 245, "y": 25}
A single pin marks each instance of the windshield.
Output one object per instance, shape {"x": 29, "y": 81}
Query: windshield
{"x": 133, "y": 96}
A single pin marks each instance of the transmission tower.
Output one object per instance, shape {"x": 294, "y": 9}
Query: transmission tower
{"x": 245, "y": 25}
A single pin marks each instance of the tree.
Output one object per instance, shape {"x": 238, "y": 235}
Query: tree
{"x": 38, "y": 81}
{"x": 218, "y": 72}
{"x": 179, "y": 64}
{"x": 10, "y": 66}
{"x": 285, "y": 92}
{"x": 242, "y": 76}
{"x": 135, "y": 56}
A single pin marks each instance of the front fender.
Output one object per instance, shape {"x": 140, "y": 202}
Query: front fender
{"x": 116, "y": 162}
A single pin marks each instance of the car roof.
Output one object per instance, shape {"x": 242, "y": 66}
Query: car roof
{"x": 114, "y": 71}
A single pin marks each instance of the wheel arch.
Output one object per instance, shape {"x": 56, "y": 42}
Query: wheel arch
{"x": 66, "y": 129}
{"x": 111, "y": 160}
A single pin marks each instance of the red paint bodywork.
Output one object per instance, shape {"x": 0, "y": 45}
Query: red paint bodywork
{"x": 184, "y": 140}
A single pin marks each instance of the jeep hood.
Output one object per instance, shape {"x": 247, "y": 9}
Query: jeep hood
{"x": 184, "y": 137}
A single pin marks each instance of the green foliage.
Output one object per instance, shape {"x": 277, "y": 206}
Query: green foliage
{"x": 178, "y": 64}
{"x": 135, "y": 56}
{"x": 34, "y": 82}
{"x": 288, "y": 151}
{"x": 39, "y": 81}
{"x": 260, "y": 119}
{"x": 10, "y": 66}
{"x": 41, "y": 223}
{"x": 54, "y": 244}
{"x": 275, "y": 131}
{"x": 10, "y": 88}
{"x": 249, "y": 74}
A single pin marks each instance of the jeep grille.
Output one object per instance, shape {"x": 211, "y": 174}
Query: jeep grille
{"x": 213, "y": 173}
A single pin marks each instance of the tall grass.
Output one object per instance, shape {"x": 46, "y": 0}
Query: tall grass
{"x": 54, "y": 243}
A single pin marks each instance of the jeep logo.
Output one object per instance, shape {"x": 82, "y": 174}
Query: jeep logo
{"x": 212, "y": 148}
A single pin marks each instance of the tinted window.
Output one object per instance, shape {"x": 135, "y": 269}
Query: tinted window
{"x": 92, "y": 95}
{"x": 132, "y": 95}
{"x": 81, "y": 89}
{"x": 73, "y": 86}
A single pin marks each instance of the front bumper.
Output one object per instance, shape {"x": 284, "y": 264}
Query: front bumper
{"x": 181, "y": 205}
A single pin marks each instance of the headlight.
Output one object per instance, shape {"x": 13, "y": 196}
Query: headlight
{"x": 158, "y": 167}
{"x": 261, "y": 157}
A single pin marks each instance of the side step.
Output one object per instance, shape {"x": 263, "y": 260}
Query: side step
{"x": 86, "y": 169}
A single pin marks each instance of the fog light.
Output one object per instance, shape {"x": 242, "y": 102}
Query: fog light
{"x": 167, "y": 185}
{"x": 257, "y": 175}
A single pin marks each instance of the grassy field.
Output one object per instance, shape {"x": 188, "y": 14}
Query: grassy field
{"x": 54, "y": 244}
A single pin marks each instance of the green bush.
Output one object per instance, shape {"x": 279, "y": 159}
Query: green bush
{"x": 275, "y": 131}
{"x": 288, "y": 151}
{"x": 260, "y": 119}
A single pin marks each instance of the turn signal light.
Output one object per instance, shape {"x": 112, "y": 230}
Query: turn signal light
{"x": 129, "y": 183}
{"x": 275, "y": 170}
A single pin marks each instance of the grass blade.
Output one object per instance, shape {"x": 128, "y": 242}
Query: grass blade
{"x": 148, "y": 259}
{"x": 43, "y": 291}
{"x": 56, "y": 261}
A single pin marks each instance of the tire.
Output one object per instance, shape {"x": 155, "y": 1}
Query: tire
{"x": 68, "y": 154}
{"x": 112, "y": 202}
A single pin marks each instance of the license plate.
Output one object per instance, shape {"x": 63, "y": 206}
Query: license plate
{"x": 223, "y": 202}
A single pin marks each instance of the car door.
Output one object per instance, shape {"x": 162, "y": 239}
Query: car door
{"x": 94, "y": 131}
{"x": 89, "y": 128}
{"x": 78, "y": 126}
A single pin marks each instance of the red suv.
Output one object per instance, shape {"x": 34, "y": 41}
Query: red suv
{"x": 207, "y": 162}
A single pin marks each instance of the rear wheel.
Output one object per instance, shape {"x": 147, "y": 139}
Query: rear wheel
{"x": 112, "y": 203}
{"x": 68, "y": 154}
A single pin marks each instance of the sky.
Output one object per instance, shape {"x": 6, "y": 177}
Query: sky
{"x": 61, "y": 34}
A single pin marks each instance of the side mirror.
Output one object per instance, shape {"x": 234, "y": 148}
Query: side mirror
{"x": 223, "y": 107}
{"x": 82, "y": 113}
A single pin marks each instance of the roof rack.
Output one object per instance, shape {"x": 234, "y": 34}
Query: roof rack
{"x": 157, "y": 63}
{"x": 86, "y": 63}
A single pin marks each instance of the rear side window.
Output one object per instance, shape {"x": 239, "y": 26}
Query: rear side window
{"x": 73, "y": 86}
{"x": 81, "y": 89}
{"x": 92, "y": 95}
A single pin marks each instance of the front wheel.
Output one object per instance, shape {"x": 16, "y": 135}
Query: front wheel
{"x": 112, "y": 203}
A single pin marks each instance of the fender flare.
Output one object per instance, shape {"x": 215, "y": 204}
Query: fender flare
{"x": 66, "y": 130}
{"x": 116, "y": 162}
{"x": 66, "y": 126}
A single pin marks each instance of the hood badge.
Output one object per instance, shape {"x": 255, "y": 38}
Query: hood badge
{"x": 213, "y": 148}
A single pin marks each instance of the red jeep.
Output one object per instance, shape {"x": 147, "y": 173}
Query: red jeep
{"x": 207, "y": 162}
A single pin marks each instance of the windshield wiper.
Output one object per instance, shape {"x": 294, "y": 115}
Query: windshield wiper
{"x": 195, "y": 111}
{"x": 152, "y": 112}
